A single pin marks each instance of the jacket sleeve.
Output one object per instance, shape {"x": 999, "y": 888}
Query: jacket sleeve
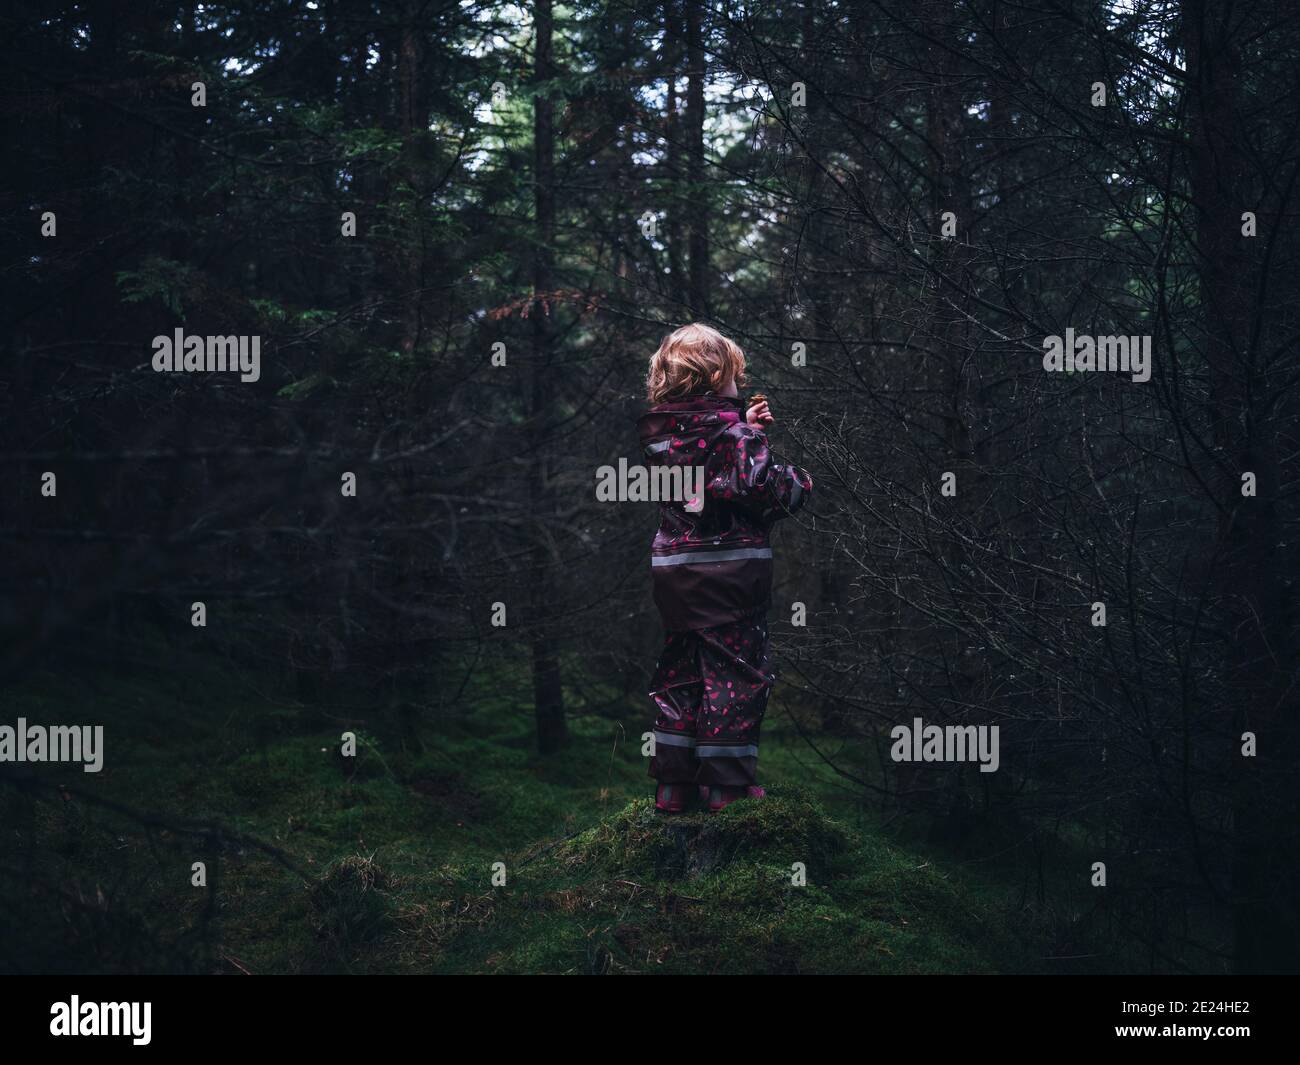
{"x": 740, "y": 470}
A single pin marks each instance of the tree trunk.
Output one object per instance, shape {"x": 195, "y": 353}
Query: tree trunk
{"x": 673, "y": 131}
{"x": 412, "y": 122}
{"x": 548, "y": 693}
{"x": 699, "y": 207}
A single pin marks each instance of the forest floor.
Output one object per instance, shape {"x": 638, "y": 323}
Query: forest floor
{"x": 389, "y": 860}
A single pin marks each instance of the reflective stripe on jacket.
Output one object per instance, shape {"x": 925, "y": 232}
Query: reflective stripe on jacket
{"x": 715, "y": 566}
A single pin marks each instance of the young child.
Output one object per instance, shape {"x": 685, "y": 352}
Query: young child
{"x": 712, "y": 569}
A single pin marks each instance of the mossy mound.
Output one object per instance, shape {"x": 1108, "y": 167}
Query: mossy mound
{"x": 787, "y": 827}
{"x": 770, "y": 885}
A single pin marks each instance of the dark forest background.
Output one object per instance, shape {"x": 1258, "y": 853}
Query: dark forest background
{"x": 504, "y": 164}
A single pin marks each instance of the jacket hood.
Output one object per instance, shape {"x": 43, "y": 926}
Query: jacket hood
{"x": 684, "y": 422}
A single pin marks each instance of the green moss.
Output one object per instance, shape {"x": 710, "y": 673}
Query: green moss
{"x": 639, "y": 892}
{"x": 399, "y": 848}
{"x": 638, "y": 841}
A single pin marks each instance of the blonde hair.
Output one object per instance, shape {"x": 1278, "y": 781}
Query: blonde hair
{"x": 694, "y": 358}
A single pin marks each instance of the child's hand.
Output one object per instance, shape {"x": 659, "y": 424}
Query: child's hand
{"x": 759, "y": 416}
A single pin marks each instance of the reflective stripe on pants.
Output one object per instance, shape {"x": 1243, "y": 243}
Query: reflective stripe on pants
{"x": 710, "y": 691}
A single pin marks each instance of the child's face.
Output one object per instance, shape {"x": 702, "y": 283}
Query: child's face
{"x": 728, "y": 388}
